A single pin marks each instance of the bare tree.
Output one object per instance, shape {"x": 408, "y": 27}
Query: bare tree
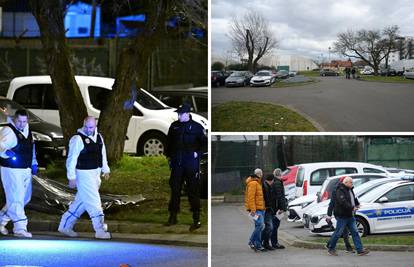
{"x": 371, "y": 46}
{"x": 391, "y": 43}
{"x": 251, "y": 36}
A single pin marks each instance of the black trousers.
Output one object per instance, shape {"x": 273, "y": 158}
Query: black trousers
{"x": 191, "y": 176}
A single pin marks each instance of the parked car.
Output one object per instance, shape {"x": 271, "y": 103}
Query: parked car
{"x": 288, "y": 178}
{"x": 282, "y": 74}
{"x": 328, "y": 72}
{"x": 292, "y": 73}
{"x": 387, "y": 208}
{"x": 218, "y": 78}
{"x": 388, "y": 72}
{"x": 148, "y": 126}
{"x": 196, "y": 97}
{"x": 48, "y": 137}
{"x": 367, "y": 72}
{"x": 263, "y": 78}
{"x": 311, "y": 176}
{"x": 314, "y": 217}
{"x": 239, "y": 78}
{"x": 409, "y": 74}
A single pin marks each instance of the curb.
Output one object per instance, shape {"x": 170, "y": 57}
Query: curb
{"x": 296, "y": 242}
{"x": 124, "y": 232}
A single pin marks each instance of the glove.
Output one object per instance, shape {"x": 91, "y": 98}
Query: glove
{"x": 106, "y": 176}
{"x": 10, "y": 153}
{"x": 34, "y": 169}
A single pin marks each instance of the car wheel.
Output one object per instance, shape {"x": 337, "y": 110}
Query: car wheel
{"x": 152, "y": 144}
{"x": 362, "y": 226}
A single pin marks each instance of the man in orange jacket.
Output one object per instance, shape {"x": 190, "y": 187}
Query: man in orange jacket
{"x": 254, "y": 203}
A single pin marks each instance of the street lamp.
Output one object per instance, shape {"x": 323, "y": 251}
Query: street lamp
{"x": 329, "y": 56}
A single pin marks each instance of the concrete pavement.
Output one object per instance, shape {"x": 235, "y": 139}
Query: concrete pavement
{"x": 231, "y": 229}
{"x": 337, "y": 104}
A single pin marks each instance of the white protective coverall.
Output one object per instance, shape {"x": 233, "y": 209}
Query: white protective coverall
{"x": 17, "y": 183}
{"x": 87, "y": 182}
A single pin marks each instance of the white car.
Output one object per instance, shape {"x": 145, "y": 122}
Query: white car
{"x": 385, "y": 208}
{"x": 263, "y": 78}
{"x": 148, "y": 126}
{"x": 409, "y": 74}
{"x": 296, "y": 207}
{"x": 311, "y": 176}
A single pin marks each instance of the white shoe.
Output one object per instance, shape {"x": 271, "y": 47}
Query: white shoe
{"x": 3, "y": 230}
{"x": 23, "y": 233}
{"x": 103, "y": 235}
{"x": 68, "y": 232}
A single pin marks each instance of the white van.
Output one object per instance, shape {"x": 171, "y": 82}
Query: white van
{"x": 147, "y": 128}
{"x": 311, "y": 176}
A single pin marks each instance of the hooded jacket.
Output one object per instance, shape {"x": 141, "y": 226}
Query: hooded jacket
{"x": 254, "y": 194}
{"x": 342, "y": 202}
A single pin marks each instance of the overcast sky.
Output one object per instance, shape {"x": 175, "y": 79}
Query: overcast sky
{"x": 309, "y": 27}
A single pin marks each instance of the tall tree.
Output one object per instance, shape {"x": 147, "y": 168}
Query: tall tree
{"x": 371, "y": 46}
{"x": 390, "y": 35}
{"x": 251, "y": 36}
{"x": 49, "y": 16}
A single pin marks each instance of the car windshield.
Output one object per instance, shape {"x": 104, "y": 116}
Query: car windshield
{"x": 263, "y": 73}
{"x": 10, "y": 108}
{"x": 283, "y": 71}
{"x": 374, "y": 194}
{"x": 145, "y": 100}
{"x": 237, "y": 74}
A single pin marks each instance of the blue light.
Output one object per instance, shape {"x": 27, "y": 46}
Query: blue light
{"x": 14, "y": 158}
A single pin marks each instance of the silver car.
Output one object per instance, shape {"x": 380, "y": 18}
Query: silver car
{"x": 409, "y": 74}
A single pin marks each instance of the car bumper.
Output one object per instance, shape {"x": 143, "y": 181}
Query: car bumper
{"x": 234, "y": 84}
{"x": 260, "y": 83}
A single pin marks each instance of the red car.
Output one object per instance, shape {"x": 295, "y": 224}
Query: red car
{"x": 289, "y": 175}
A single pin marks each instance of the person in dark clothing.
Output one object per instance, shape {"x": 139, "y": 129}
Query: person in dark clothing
{"x": 345, "y": 234}
{"x": 344, "y": 208}
{"x": 347, "y": 73}
{"x": 275, "y": 202}
{"x": 185, "y": 142}
{"x": 353, "y": 71}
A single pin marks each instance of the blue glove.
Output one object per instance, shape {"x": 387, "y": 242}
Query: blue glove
{"x": 34, "y": 169}
{"x": 10, "y": 153}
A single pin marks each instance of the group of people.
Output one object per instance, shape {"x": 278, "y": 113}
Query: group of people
{"x": 86, "y": 163}
{"x": 265, "y": 201}
{"x": 349, "y": 71}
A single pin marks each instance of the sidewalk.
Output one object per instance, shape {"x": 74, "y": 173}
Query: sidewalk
{"x": 129, "y": 232}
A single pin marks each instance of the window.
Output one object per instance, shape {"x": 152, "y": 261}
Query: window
{"x": 147, "y": 101}
{"x": 372, "y": 170}
{"x": 171, "y": 100}
{"x": 300, "y": 176}
{"x": 402, "y": 193}
{"x": 201, "y": 103}
{"x": 49, "y": 101}
{"x": 98, "y": 96}
{"x": 319, "y": 176}
{"x": 340, "y": 171}
{"x": 30, "y": 96}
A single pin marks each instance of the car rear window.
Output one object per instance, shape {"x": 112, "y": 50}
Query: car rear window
{"x": 319, "y": 176}
{"x": 300, "y": 176}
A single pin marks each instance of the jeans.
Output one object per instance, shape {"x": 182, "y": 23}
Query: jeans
{"x": 341, "y": 224}
{"x": 345, "y": 236}
{"x": 271, "y": 226}
{"x": 256, "y": 237}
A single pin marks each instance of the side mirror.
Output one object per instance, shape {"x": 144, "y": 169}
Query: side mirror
{"x": 383, "y": 200}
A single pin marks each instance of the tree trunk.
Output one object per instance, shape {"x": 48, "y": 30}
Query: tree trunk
{"x": 72, "y": 110}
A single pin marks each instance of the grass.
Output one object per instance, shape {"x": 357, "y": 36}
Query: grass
{"x": 394, "y": 239}
{"x": 385, "y": 79}
{"x": 148, "y": 176}
{"x": 309, "y": 73}
{"x": 258, "y": 117}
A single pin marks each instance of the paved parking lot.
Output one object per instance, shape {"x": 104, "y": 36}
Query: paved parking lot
{"x": 231, "y": 229}
{"x": 337, "y": 104}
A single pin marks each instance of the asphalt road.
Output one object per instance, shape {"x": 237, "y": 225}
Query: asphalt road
{"x": 337, "y": 104}
{"x": 231, "y": 229}
{"x": 51, "y": 251}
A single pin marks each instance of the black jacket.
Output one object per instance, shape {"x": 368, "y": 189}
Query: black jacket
{"x": 342, "y": 202}
{"x": 274, "y": 196}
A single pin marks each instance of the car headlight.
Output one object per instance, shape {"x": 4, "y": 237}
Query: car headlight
{"x": 41, "y": 137}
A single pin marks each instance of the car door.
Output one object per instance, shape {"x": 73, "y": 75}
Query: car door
{"x": 397, "y": 214}
{"x": 30, "y": 96}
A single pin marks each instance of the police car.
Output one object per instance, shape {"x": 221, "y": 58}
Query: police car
{"x": 385, "y": 208}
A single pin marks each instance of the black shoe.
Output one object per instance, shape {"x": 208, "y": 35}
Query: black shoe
{"x": 363, "y": 252}
{"x": 172, "y": 220}
{"x": 332, "y": 252}
{"x": 350, "y": 250}
{"x": 195, "y": 226}
{"x": 269, "y": 247}
{"x": 278, "y": 246}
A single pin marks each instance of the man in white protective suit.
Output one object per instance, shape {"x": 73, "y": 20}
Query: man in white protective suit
{"x": 18, "y": 163}
{"x": 85, "y": 164}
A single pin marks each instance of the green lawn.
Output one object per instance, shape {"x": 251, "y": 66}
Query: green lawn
{"x": 257, "y": 117}
{"x": 390, "y": 79}
{"x": 309, "y": 73}
{"x": 394, "y": 239}
{"x": 139, "y": 175}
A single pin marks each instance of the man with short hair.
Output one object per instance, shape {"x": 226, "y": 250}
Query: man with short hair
{"x": 254, "y": 203}
{"x": 186, "y": 140}
{"x": 18, "y": 163}
{"x": 345, "y": 206}
{"x": 85, "y": 163}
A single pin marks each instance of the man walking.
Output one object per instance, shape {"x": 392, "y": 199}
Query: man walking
{"x": 18, "y": 163}
{"x": 185, "y": 142}
{"x": 254, "y": 203}
{"x": 345, "y": 206}
{"x": 86, "y": 162}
